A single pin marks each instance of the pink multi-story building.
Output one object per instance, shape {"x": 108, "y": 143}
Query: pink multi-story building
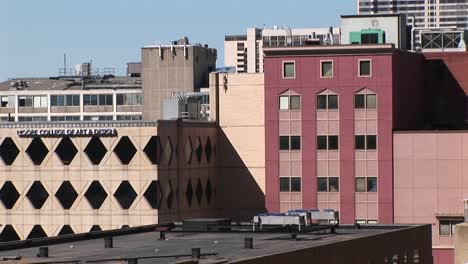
{"x": 330, "y": 112}
{"x": 333, "y": 118}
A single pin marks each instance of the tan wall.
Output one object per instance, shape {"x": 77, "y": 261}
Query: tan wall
{"x": 461, "y": 243}
{"x": 52, "y": 173}
{"x": 241, "y": 140}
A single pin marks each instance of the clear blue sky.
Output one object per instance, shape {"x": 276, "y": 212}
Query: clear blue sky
{"x": 36, "y": 33}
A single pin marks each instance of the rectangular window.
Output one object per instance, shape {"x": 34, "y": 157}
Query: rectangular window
{"x": 284, "y": 102}
{"x": 371, "y": 142}
{"x": 447, "y": 226}
{"x": 328, "y": 184}
{"x": 284, "y": 184}
{"x": 359, "y": 101}
{"x": 284, "y": 142}
{"x": 366, "y": 184}
{"x": 365, "y": 68}
{"x": 365, "y": 101}
{"x": 326, "y": 69}
{"x": 321, "y": 142}
{"x": 295, "y": 142}
{"x": 295, "y": 184}
{"x": 321, "y": 102}
{"x": 365, "y": 142}
{"x": 333, "y": 142}
{"x": 289, "y": 70}
{"x": 333, "y": 102}
{"x": 327, "y": 101}
{"x": 295, "y": 102}
{"x": 327, "y": 142}
{"x": 129, "y": 117}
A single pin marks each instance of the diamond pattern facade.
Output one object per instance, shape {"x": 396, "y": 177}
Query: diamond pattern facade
{"x": 96, "y": 195}
{"x": 95, "y": 150}
{"x": 125, "y": 150}
{"x": 153, "y": 150}
{"x": 125, "y": 194}
{"x": 37, "y": 151}
{"x": 37, "y": 195}
{"x": 153, "y": 194}
{"x": 9, "y": 195}
{"x": 66, "y": 151}
{"x": 8, "y": 151}
{"x": 66, "y": 195}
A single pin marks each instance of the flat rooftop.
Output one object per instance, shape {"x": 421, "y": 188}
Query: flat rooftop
{"x": 216, "y": 247}
{"x": 57, "y": 84}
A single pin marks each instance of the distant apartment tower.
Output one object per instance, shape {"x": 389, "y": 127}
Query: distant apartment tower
{"x": 438, "y": 24}
{"x": 245, "y": 52}
{"x": 168, "y": 70}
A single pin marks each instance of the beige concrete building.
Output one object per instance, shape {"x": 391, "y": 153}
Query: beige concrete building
{"x": 241, "y": 140}
{"x": 171, "y": 69}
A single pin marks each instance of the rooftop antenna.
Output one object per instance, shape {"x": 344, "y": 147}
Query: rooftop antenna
{"x": 65, "y": 64}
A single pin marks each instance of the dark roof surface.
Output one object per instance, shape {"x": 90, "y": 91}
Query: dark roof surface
{"x": 228, "y": 246}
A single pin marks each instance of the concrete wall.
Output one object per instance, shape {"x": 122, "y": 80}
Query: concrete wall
{"x": 177, "y": 69}
{"x": 395, "y": 30}
{"x": 237, "y": 105}
{"x": 431, "y": 181}
{"x": 461, "y": 244}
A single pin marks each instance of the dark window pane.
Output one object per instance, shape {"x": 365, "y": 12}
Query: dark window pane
{"x": 321, "y": 142}
{"x": 372, "y": 184}
{"x": 333, "y": 142}
{"x": 334, "y": 183}
{"x": 295, "y": 102}
{"x": 295, "y": 184}
{"x": 364, "y": 68}
{"x": 371, "y": 101}
{"x": 322, "y": 185}
{"x": 333, "y": 102}
{"x": 321, "y": 102}
{"x": 444, "y": 227}
{"x": 360, "y": 184}
{"x": 284, "y": 184}
{"x": 288, "y": 70}
{"x": 359, "y": 101}
{"x": 295, "y": 142}
{"x": 284, "y": 142}
{"x": 371, "y": 142}
{"x": 327, "y": 69}
{"x": 360, "y": 142}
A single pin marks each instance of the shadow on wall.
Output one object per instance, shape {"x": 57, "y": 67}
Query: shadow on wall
{"x": 239, "y": 196}
{"x": 446, "y": 102}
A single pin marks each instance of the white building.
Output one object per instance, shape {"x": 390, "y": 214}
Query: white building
{"x": 244, "y": 52}
{"x": 439, "y": 25}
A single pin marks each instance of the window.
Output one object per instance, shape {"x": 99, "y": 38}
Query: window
{"x": 290, "y": 142}
{"x": 94, "y": 99}
{"x": 327, "y": 142}
{"x": 290, "y": 102}
{"x": 365, "y": 68}
{"x": 65, "y": 100}
{"x": 447, "y": 226}
{"x": 98, "y": 118}
{"x": 129, "y": 117}
{"x": 327, "y": 101}
{"x": 7, "y": 101}
{"x": 290, "y": 184}
{"x": 366, "y": 184}
{"x": 32, "y": 118}
{"x": 328, "y": 184}
{"x": 326, "y": 69}
{"x": 365, "y": 142}
{"x": 129, "y": 99}
{"x": 32, "y": 101}
{"x": 365, "y": 101}
{"x": 289, "y": 70}
{"x": 65, "y": 118}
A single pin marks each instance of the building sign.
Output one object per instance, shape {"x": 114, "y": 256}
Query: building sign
{"x": 80, "y": 132}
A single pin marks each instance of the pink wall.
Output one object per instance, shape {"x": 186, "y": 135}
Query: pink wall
{"x": 443, "y": 256}
{"x": 345, "y": 82}
{"x": 431, "y": 179}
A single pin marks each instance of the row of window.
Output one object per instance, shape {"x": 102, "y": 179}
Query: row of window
{"x": 327, "y": 142}
{"x": 329, "y": 184}
{"x": 70, "y": 100}
{"x": 330, "y": 101}
{"x": 72, "y": 118}
{"x": 327, "y": 69}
